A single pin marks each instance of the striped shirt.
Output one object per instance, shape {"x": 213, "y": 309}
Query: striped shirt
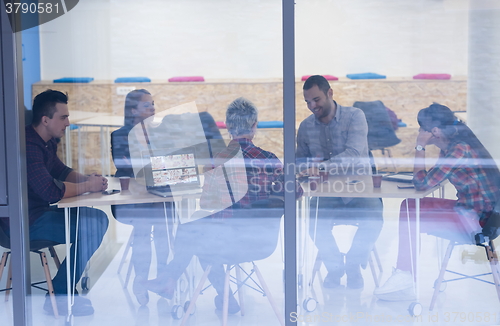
{"x": 253, "y": 173}
{"x": 462, "y": 167}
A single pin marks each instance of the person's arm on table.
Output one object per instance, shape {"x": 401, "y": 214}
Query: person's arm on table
{"x": 93, "y": 183}
{"x": 423, "y": 179}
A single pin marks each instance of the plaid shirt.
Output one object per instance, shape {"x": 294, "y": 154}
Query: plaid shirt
{"x": 253, "y": 176}
{"x": 45, "y": 173}
{"x": 462, "y": 167}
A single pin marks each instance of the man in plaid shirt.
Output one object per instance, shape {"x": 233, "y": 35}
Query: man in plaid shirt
{"x": 242, "y": 175}
{"x": 49, "y": 180}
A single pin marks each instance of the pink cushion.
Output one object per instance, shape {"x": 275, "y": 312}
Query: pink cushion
{"x": 221, "y": 124}
{"x": 187, "y": 79}
{"x": 432, "y": 76}
{"x": 327, "y": 77}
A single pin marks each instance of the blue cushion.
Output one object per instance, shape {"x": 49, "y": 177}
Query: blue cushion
{"x": 270, "y": 124}
{"x": 133, "y": 80}
{"x": 366, "y": 75}
{"x": 74, "y": 80}
{"x": 401, "y": 124}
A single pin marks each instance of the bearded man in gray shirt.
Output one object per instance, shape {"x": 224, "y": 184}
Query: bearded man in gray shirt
{"x": 336, "y": 136}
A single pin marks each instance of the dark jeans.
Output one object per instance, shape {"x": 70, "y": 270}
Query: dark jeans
{"x": 250, "y": 234}
{"x": 365, "y": 213}
{"x": 92, "y": 227}
{"x": 144, "y": 218}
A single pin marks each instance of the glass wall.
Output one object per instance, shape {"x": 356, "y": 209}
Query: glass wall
{"x": 175, "y": 110}
{"x": 385, "y": 61}
{"x": 181, "y": 103}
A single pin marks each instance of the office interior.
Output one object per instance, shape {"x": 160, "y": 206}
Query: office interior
{"x": 237, "y": 47}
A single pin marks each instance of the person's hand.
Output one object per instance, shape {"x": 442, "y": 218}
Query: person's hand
{"x": 312, "y": 171}
{"x": 423, "y": 137}
{"x": 96, "y": 183}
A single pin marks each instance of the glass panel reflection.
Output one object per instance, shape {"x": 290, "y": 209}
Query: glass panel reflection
{"x": 163, "y": 137}
{"x": 421, "y": 127}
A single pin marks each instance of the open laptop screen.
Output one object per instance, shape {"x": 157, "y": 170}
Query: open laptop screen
{"x": 173, "y": 169}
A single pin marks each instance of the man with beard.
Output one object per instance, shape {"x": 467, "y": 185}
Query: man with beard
{"x": 335, "y": 137}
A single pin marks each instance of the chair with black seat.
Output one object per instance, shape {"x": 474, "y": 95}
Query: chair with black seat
{"x": 381, "y": 133}
{"x": 36, "y": 246}
{"x": 485, "y": 240}
{"x": 257, "y": 229}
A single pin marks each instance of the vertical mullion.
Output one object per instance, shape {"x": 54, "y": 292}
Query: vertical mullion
{"x": 11, "y": 93}
{"x": 290, "y": 224}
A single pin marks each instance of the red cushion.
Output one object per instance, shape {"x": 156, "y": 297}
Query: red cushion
{"x": 187, "y": 79}
{"x": 327, "y": 77}
{"x": 432, "y": 76}
{"x": 221, "y": 124}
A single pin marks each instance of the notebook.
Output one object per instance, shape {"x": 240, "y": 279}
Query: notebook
{"x": 406, "y": 177}
{"x": 171, "y": 172}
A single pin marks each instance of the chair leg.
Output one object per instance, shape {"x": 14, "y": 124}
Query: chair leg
{"x": 225, "y": 302}
{"x": 316, "y": 267}
{"x": 374, "y": 272}
{"x": 127, "y": 277}
{"x": 240, "y": 289}
{"x": 48, "y": 278}
{"x": 281, "y": 318}
{"x": 437, "y": 284}
{"x": 377, "y": 259}
{"x": 54, "y": 256}
{"x": 493, "y": 259}
{"x": 125, "y": 253}
{"x": 3, "y": 263}
{"x": 196, "y": 294}
{"x": 9, "y": 283}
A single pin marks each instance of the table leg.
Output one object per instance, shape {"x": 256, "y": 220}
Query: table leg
{"x": 68, "y": 274}
{"x": 417, "y": 246}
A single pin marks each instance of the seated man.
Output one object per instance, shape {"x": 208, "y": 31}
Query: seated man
{"x": 335, "y": 136}
{"x": 49, "y": 180}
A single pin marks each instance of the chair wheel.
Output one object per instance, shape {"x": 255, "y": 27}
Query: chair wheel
{"x": 442, "y": 287}
{"x": 186, "y": 306}
{"x": 310, "y": 304}
{"x": 177, "y": 312}
{"x": 415, "y": 309}
{"x": 85, "y": 283}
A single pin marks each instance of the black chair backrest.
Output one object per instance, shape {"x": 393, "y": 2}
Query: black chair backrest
{"x": 380, "y": 131}
{"x": 4, "y": 239}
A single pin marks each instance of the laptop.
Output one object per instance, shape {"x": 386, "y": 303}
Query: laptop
{"x": 171, "y": 172}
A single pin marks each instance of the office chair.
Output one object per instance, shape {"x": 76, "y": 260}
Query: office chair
{"x": 257, "y": 233}
{"x": 35, "y": 246}
{"x": 381, "y": 134}
{"x": 491, "y": 255}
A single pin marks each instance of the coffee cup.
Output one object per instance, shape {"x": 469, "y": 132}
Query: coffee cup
{"x": 124, "y": 183}
{"x": 377, "y": 180}
{"x": 313, "y": 183}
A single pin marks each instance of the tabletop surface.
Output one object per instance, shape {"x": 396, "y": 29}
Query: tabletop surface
{"x": 137, "y": 194}
{"x": 338, "y": 186}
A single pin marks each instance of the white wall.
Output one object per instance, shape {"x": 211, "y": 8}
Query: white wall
{"x": 159, "y": 39}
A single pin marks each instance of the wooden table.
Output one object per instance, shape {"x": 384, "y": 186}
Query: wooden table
{"x": 137, "y": 194}
{"x": 337, "y": 186}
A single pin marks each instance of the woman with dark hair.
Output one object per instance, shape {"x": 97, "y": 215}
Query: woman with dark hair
{"x": 139, "y": 105}
{"x": 466, "y": 163}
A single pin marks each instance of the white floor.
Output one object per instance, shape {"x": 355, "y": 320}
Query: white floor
{"x": 466, "y": 302}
